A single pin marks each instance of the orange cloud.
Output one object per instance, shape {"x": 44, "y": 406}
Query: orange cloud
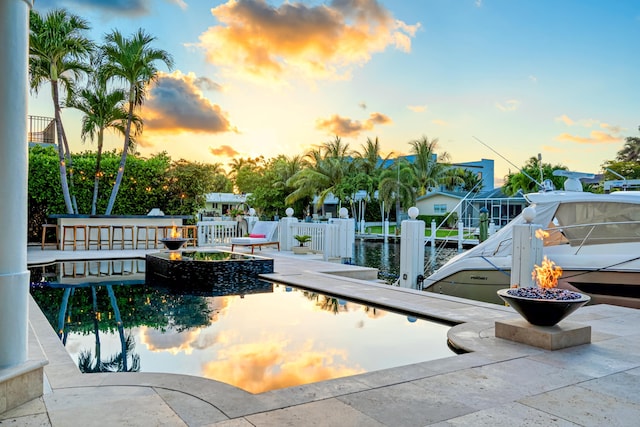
{"x": 587, "y": 123}
{"x": 224, "y": 150}
{"x": 612, "y": 128}
{"x": 171, "y": 341}
{"x": 344, "y": 126}
{"x": 596, "y": 137}
{"x": 259, "y": 41}
{"x": 417, "y": 108}
{"x": 439, "y": 122}
{"x": 565, "y": 119}
{"x": 271, "y": 365}
{"x": 176, "y": 104}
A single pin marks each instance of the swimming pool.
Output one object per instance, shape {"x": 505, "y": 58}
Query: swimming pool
{"x": 265, "y": 336}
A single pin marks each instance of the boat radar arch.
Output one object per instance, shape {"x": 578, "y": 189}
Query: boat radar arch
{"x": 573, "y": 182}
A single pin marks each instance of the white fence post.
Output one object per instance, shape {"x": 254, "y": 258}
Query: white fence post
{"x": 286, "y": 231}
{"x": 411, "y": 250}
{"x": 434, "y": 230}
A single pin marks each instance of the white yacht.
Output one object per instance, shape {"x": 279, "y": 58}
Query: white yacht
{"x": 595, "y": 238}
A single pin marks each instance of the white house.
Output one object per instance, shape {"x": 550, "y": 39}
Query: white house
{"x": 217, "y": 204}
{"x": 502, "y": 209}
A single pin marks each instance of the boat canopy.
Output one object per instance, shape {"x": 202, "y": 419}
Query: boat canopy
{"x": 589, "y": 219}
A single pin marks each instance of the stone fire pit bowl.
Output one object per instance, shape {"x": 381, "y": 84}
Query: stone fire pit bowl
{"x": 173, "y": 243}
{"x": 543, "y": 312}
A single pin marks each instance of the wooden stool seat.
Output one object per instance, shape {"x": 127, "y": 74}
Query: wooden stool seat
{"x": 190, "y": 232}
{"x": 99, "y": 240}
{"x": 148, "y": 239}
{"x": 75, "y": 236}
{"x": 122, "y": 235}
{"x": 45, "y": 228}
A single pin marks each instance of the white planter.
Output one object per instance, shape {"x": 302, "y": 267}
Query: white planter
{"x": 300, "y": 250}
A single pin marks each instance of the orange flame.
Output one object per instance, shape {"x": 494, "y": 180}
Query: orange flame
{"x": 547, "y": 274}
{"x": 541, "y": 234}
{"x": 175, "y": 256}
{"x": 174, "y": 232}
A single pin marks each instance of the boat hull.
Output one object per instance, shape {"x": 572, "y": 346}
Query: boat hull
{"x": 604, "y": 287}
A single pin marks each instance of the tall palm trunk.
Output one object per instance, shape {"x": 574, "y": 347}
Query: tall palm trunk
{"x": 69, "y": 162}
{"x": 116, "y": 312}
{"x": 123, "y": 158}
{"x": 96, "y": 328}
{"x": 61, "y": 151}
{"x": 96, "y": 179}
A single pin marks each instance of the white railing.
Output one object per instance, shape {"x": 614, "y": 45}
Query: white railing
{"x": 215, "y": 233}
{"x": 332, "y": 240}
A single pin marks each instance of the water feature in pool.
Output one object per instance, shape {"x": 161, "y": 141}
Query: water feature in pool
{"x": 262, "y": 337}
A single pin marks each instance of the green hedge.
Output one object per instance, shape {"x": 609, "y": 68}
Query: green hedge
{"x": 176, "y": 187}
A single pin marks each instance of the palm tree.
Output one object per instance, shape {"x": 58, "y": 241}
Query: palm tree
{"x": 396, "y": 186}
{"x": 369, "y": 166}
{"x": 631, "y": 150}
{"x": 57, "y": 46}
{"x": 327, "y": 167}
{"x": 102, "y": 110}
{"x": 471, "y": 181}
{"x": 452, "y": 179}
{"x": 133, "y": 61}
{"x": 427, "y": 171}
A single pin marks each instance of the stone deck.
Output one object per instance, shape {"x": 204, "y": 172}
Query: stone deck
{"x": 498, "y": 383}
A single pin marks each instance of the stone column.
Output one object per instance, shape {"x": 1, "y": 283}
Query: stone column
{"x": 527, "y": 251}
{"x": 411, "y": 250}
{"x": 14, "y": 276}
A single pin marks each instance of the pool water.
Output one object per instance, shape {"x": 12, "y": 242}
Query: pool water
{"x": 265, "y": 337}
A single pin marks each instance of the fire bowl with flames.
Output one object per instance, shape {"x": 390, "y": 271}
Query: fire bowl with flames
{"x": 175, "y": 240}
{"x": 173, "y": 243}
{"x": 544, "y": 305}
{"x": 545, "y": 308}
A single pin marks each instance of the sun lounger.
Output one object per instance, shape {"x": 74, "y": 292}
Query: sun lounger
{"x": 262, "y": 234}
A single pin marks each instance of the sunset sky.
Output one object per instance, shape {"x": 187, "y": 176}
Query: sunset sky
{"x": 254, "y": 77}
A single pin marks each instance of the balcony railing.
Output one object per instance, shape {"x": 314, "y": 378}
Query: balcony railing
{"x": 42, "y": 130}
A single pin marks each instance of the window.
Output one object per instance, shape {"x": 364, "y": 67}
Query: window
{"x": 440, "y": 208}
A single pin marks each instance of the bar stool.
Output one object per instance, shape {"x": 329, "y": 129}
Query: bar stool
{"x": 148, "y": 238}
{"x": 99, "y": 239}
{"x": 164, "y": 231}
{"x": 46, "y": 227}
{"x": 75, "y": 238}
{"x": 190, "y": 232}
{"x": 126, "y": 236}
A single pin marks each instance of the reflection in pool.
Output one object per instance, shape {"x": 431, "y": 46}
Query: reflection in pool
{"x": 265, "y": 337}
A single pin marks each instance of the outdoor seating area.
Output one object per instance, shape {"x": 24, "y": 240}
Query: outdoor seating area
{"x": 117, "y": 236}
{"x": 262, "y": 234}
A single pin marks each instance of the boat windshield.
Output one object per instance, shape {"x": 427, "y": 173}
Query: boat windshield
{"x": 593, "y": 223}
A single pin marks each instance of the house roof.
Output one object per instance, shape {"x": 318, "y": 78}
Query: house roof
{"x": 496, "y": 193}
{"x": 452, "y": 194}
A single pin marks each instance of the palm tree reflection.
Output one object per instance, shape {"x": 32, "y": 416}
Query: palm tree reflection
{"x": 117, "y": 363}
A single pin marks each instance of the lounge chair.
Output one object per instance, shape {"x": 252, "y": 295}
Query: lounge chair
{"x": 262, "y": 234}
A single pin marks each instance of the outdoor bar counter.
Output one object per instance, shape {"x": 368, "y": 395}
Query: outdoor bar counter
{"x": 67, "y": 221}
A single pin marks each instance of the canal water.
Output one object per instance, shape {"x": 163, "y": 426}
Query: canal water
{"x": 385, "y": 256}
